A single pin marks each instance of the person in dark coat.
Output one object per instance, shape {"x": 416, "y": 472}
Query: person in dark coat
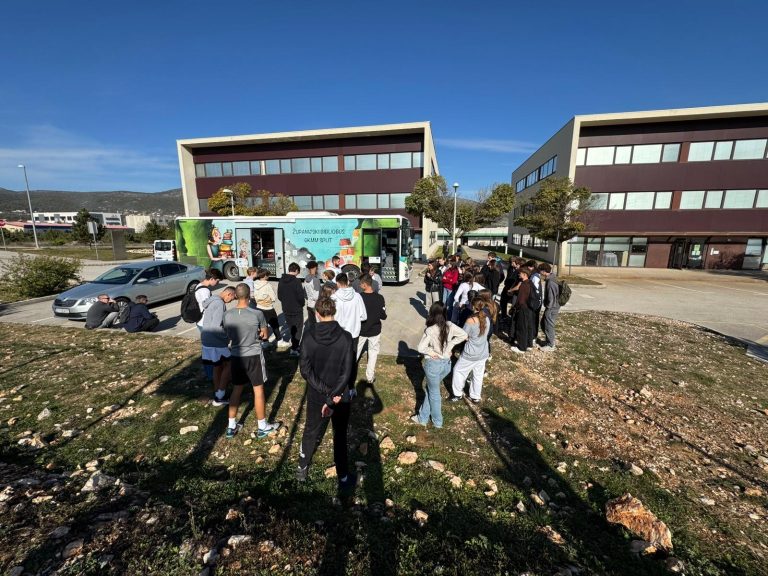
{"x": 524, "y": 316}
{"x": 290, "y": 292}
{"x": 140, "y": 319}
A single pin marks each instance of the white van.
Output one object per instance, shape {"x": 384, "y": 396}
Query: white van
{"x": 164, "y": 250}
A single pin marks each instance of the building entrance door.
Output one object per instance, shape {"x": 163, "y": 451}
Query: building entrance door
{"x": 687, "y": 253}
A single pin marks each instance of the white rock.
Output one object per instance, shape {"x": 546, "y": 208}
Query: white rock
{"x": 188, "y": 429}
{"x": 707, "y": 501}
{"x": 237, "y": 540}
{"x": 456, "y": 482}
{"x": 407, "y": 457}
{"x": 520, "y": 507}
{"x": 435, "y": 465}
{"x": 211, "y": 556}
{"x": 164, "y": 439}
{"x": 421, "y": 517}
{"x": 635, "y": 470}
{"x": 72, "y": 548}
{"x": 44, "y": 414}
{"x": 98, "y": 481}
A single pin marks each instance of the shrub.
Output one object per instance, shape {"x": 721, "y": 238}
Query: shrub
{"x": 33, "y": 276}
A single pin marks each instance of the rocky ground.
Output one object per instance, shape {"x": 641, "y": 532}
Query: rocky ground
{"x": 112, "y": 461}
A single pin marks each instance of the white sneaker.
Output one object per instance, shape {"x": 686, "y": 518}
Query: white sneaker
{"x": 283, "y": 344}
{"x": 516, "y": 350}
{"x": 269, "y": 429}
{"x": 547, "y": 348}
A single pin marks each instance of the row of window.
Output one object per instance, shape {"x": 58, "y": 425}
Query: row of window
{"x": 625, "y": 251}
{"x": 528, "y": 241}
{"x": 698, "y": 199}
{"x": 728, "y": 150}
{"x": 751, "y": 149}
{"x": 331, "y": 202}
{"x": 689, "y": 200}
{"x": 392, "y": 161}
{"x": 546, "y": 169}
{"x": 637, "y": 154}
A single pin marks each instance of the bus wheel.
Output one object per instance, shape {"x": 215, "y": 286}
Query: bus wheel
{"x": 352, "y": 272}
{"x": 231, "y": 272}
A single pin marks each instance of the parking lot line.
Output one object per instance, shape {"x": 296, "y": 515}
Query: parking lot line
{"x": 187, "y": 330}
{"x": 42, "y": 319}
{"x": 585, "y": 295}
{"x": 679, "y": 287}
{"x": 748, "y": 291}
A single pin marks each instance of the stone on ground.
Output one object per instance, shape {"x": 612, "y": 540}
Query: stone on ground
{"x": 629, "y": 512}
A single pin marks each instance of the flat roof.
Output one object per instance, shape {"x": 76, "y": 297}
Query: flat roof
{"x": 674, "y": 114}
{"x": 299, "y": 135}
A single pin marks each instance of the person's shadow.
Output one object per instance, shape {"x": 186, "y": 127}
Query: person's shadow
{"x": 410, "y": 359}
{"x": 418, "y": 304}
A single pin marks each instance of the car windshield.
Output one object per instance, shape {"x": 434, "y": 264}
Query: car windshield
{"x": 162, "y": 246}
{"x": 119, "y": 275}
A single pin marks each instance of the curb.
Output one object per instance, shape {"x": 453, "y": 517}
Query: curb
{"x": 20, "y": 303}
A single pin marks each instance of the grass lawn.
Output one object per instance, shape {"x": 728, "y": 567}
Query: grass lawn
{"x": 684, "y": 405}
{"x": 578, "y": 280}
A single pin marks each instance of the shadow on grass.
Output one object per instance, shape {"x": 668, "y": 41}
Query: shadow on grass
{"x": 410, "y": 359}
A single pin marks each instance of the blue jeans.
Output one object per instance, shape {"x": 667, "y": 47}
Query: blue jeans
{"x": 435, "y": 371}
{"x": 448, "y": 301}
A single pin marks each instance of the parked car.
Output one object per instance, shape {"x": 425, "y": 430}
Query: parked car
{"x": 157, "y": 280}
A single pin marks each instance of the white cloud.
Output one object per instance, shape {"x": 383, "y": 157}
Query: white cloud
{"x": 60, "y": 160}
{"x": 488, "y": 145}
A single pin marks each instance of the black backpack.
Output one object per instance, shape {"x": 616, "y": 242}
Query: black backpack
{"x": 190, "y": 309}
{"x": 565, "y": 292}
{"x": 534, "y": 300}
{"x": 124, "y": 313}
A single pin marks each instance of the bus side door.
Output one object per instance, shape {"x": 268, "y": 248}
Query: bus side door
{"x": 280, "y": 265}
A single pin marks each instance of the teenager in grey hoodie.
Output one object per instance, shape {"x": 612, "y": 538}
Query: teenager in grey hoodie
{"x": 215, "y": 342}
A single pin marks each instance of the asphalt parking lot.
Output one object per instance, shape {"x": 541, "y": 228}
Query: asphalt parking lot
{"x": 736, "y": 306}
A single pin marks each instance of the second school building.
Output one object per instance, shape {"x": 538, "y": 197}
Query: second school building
{"x": 683, "y": 188}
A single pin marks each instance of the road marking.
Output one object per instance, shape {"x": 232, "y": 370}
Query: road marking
{"x": 748, "y": 291}
{"x": 187, "y": 330}
{"x": 42, "y": 319}
{"x": 679, "y": 287}
{"x": 586, "y": 296}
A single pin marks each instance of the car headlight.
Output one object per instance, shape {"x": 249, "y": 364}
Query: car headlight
{"x": 90, "y": 300}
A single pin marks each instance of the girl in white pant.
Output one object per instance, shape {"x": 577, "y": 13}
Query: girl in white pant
{"x": 473, "y": 358}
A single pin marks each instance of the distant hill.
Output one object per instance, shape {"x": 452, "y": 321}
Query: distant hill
{"x": 167, "y": 202}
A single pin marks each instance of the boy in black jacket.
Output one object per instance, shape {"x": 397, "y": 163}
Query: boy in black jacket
{"x": 290, "y": 292}
{"x": 370, "y": 328}
{"x": 326, "y": 364}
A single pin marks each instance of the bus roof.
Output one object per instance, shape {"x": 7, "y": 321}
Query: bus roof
{"x": 293, "y": 216}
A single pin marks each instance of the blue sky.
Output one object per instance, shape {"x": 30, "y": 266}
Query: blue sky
{"x": 93, "y": 95}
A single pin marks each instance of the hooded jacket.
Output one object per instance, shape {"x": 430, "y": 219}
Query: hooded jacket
{"x": 350, "y": 310}
{"x": 326, "y": 360}
{"x": 312, "y": 287}
{"x": 213, "y": 334}
{"x": 291, "y": 294}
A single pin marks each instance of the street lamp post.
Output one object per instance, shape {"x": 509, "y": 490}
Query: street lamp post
{"x": 29, "y": 201}
{"x": 455, "y": 193}
{"x": 231, "y": 199}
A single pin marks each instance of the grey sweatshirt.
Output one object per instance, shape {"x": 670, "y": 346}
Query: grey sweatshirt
{"x": 213, "y": 334}
{"x": 430, "y": 341}
{"x": 477, "y": 345}
{"x": 552, "y": 293}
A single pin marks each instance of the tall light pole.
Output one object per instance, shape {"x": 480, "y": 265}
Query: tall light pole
{"x": 29, "y": 201}
{"x": 455, "y": 193}
{"x": 231, "y": 199}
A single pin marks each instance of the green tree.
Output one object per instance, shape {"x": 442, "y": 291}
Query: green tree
{"x": 221, "y": 202}
{"x": 430, "y": 197}
{"x": 80, "y": 231}
{"x": 555, "y": 212}
{"x": 494, "y": 204}
{"x": 32, "y": 276}
{"x": 154, "y": 231}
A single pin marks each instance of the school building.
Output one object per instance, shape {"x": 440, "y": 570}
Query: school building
{"x": 683, "y": 188}
{"x": 360, "y": 170}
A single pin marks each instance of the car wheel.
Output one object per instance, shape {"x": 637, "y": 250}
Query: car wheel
{"x": 192, "y": 286}
{"x": 352, "y": 272}
{"x": 231, "y": 272}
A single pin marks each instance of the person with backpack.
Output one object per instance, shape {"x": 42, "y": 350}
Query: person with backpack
{"x": 291, "y": 295}
{"x": 432, "y": 282}
{"x": 436, "y": 344}
{"x": 510, "y": 281}
{"x": 191, "y": 307}
{"x": 551, "y": 306}
{"x": 523, "y": 313}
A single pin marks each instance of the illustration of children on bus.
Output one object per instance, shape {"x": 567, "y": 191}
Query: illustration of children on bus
{"x": 214, "y": 248}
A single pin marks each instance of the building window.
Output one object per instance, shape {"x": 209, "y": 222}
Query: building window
{"x": 365, "y": 162}
{"x": 691, "y": 199}
{"x": 418, "y": 159}
{"x": 671, "y": 153}
{"x": 723, "y": 150}
{"x": 397, "y": 200}
{"x": 600, "y": 156}
{"x": 520, "y": 186}
{"x": 272, "y": 166}
{"x": 226, "y": 168}
{"x": 212, "y": 169}
{"x": 714, "y": 199}
{"x": 330, "y": 164}
{"x": 382, "y": 161}
{"x": 616, "y": 201}
{"x": 700, "y": 151}
{"x": 202, "y": 204}
{"x": 285, "y": 166}
{"x": 302, "y": 202}
{"x": 366, "y": 201}
{"x": 637, "y": 252}
{"x": 581, "y": 155}
{"x": 382, "y": 200}
{"x": 331, "y": 202}
{"x": 739, "y": 198}
{"x": 598, "y": 201}
{"x": 623, "y": 154}
{"x": 200, "y": 170}
{"x": 256, "y": 167}
{"x": 749, "y": 149}
{"x": 350, "y": 202}
{"x": 400, "y": 160}
{"x": 663, "y": 201}
{"x": 300, "y": 165}
{"x": 762, "y": 199}
{"x": 646, "y": 154}
{"x": 640, "y": 201}
{"x": 241, "y": 169}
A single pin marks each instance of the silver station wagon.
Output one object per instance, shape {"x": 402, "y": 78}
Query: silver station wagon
{"x": 157, "y": 280}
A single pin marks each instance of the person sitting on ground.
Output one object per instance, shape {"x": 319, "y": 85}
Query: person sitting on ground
{"x": 102, "y": 314}
{"x": 140, "y": 319}
{"x": 245, "y": 329}
{"x": 326, "y": 364}
{"x": 264, "y": 296}
{"x": 437, "y": 343}
{"x": 474, "y": 356}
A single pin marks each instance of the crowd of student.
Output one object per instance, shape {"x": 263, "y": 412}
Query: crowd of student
{"x": 468, "y": 304}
